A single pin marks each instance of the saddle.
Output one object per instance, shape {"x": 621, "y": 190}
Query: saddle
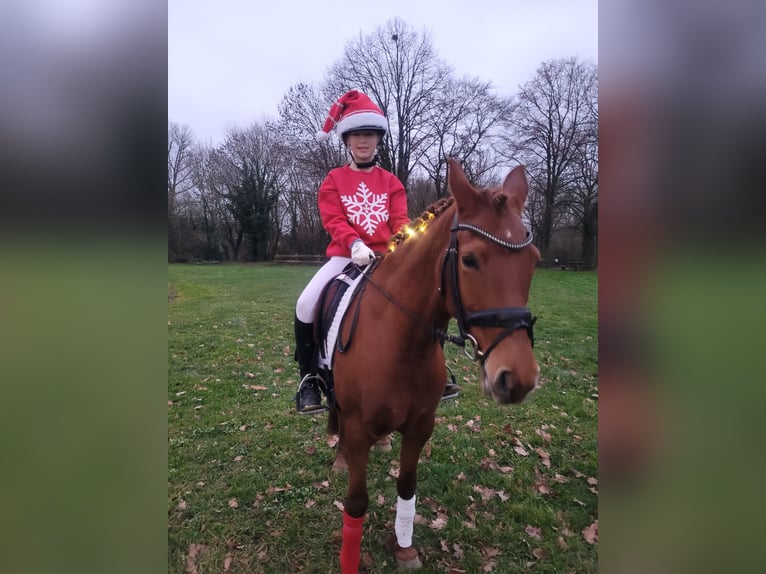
{"x": 340, "y": 297}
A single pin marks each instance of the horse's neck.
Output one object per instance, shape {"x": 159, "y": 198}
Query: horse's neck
{"x": 412, "y": 274}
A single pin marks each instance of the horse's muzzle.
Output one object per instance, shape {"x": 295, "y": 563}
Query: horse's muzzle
{"x": 508, "y": 387}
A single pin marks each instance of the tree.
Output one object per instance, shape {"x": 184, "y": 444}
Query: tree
{"x": 180, "y": 149}
{"x": 549, "y": 128}
{"x": 464, "y": 121}
{"x": 253, "y": 171}
{"x": 399, "y": 69}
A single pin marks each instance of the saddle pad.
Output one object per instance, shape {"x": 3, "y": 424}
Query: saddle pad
{"x": 348, "y": 282}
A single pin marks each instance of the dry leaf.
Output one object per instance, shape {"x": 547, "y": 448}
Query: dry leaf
{"x": 561, "y": 544}
{"x": 332, "y": 440}
{"x": 502, "y": 495}
{"x": 338, "y": 504}
{"x": 461, "y": 476}
{"x": 458, "y": 552}
{"x": 238, "y": 458}
{"x": 489, "y": 552}
{"x": 227, "y": 562}
{"x": 249, "y": 375}
{"x": 233, "y": 503}
{"x": 540, "y": 553}
{"x": 520, "y": 450}
{"x": 182, "y": 504}
{"x": 590, "y": 533}
{"x": 191, "y": 557}
{"x": 310, "y": 503}
{"x": 311, "y": 450}
{"x": 439, "y": 522}
{"x": 545, "y": 456}
{"x": 489, "y": 566}
{"x": 560, "y": 478}
{"x": 381, "y": 500}
{"x": 533, "y": 532}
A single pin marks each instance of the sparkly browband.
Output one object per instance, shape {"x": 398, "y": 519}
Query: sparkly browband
{"x": 487, "y": 235}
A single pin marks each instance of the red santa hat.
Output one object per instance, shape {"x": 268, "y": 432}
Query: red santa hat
{"x": 353, "y": 111}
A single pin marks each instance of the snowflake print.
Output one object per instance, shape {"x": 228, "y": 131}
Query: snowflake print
{"x": 366, "y": 209}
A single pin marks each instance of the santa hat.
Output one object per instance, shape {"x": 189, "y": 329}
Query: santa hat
{"x": 352, "y": 111}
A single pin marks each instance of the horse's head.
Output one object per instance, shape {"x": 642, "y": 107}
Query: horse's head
{"x": 488, "y": 271}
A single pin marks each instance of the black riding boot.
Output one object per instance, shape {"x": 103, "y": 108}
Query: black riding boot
{"x": 451, "y": 390}
{"x": 308, "y": 399}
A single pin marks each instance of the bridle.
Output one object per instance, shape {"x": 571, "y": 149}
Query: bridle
{"x": 509, "y": 319}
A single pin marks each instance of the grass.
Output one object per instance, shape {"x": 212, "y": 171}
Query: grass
{"x": 250, "y": 487}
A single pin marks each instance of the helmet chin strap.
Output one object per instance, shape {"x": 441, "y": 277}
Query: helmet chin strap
{"x": 365, "y": 164}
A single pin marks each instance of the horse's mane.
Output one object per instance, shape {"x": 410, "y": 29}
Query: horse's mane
{"x": 419, "y": 224}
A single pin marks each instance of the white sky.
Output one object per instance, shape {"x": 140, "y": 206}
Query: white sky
{"x": 230, "y": 62}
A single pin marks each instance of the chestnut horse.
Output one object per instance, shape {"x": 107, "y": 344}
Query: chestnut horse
{"x": 470, "y": 257}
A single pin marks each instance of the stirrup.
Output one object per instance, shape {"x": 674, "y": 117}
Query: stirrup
{"x": 456, "y": 391}
{"x": 321, "y": 390}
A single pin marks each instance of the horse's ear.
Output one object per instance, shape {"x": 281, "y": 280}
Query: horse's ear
{"x": 516, "y": 186}
{"x": 464, "y": 193}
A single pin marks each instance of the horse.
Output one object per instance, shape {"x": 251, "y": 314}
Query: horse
{"x": 468, "y": 257}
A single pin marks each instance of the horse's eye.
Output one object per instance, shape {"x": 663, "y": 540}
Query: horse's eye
{"x": 470, "y": 261}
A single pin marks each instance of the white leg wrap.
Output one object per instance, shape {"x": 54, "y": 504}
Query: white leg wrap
{"x": 405, "y": 518}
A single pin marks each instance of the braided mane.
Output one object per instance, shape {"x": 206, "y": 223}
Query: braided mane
{"x": 419, "y": 224}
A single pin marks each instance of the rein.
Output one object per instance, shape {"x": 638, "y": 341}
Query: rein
{"x": 508, "y": 318}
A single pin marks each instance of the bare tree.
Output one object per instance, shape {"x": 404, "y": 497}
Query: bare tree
{"x": 399, "y": 69}
{"x": 180, "y": 148}
{"x": 464, "y": 120}
{"x": 550, "y": 126}
{"x": 253, "y": 171}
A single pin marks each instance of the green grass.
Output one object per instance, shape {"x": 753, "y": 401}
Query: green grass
{"x": 233, "y": 434}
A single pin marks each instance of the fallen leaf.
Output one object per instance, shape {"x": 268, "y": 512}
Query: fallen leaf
{"x": 545, "y": 456}
{"x": 237, "y": 458}
{"x": 458, "y": 552}
{"x": 444, "y": 545}
{"x": 249, "y": 375}
{"x": 233, "y": 503}
{"x": 520, "y": 450}
{"x": 461, "y": 476}
{"x": 486, "y": 492}
{"x": 489, "y": 552}
{"x": 182, "y": 504}
{"x": 561, "y": 544}
{"x": 592, "y": 481}
{"x": 191, "y": 557}
{"x": 540, "y": 553}
{"x": 502, "y": 495}
{"x": 489, "y": 566}
{"x": 332, "y": 440}
{"x": 590, "y": 533}
{"x": 227, "y": 563}
{"x": 560, "y": 478}
{"x": 311, "y": 450}
{"x": 381, "y": 500}
{"x": 310, "y": 503}
{"x": 533, "y": 532}
{"x": 439, "y": 522}
{"x": 257, "y": 387}
{"x": 337, "y": 504}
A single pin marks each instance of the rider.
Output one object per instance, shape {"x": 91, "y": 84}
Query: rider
{"x": 361, "y": 206}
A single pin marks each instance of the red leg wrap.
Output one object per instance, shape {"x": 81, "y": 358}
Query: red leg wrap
{"x": 351, "y": 545}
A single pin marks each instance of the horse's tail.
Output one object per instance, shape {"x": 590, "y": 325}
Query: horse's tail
{"x": 332, "y": 420}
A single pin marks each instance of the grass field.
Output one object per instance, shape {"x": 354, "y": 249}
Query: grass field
{"x": 250, "y": 489}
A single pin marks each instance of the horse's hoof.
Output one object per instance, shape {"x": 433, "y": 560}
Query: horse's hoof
{"x": 407, "y": 558}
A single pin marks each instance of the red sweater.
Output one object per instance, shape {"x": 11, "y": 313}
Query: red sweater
{"x": 360, "y": 205}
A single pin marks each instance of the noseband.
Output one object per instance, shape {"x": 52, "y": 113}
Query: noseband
{"x": 507, "y": 318}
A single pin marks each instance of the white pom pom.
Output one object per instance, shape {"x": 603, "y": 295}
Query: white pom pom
{"x": 322, "y": 136}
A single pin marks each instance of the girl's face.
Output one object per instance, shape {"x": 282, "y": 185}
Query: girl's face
{"x": 362, "y": 145}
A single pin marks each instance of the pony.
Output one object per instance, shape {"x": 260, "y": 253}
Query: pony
{"x": 468, "y": 257}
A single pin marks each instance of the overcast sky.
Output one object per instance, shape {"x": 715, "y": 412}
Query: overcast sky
{"x": 230, "y": 62}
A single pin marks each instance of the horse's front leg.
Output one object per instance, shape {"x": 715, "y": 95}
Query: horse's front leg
{"x": 357, "y": 445}
{"x": 412, "y": 444}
